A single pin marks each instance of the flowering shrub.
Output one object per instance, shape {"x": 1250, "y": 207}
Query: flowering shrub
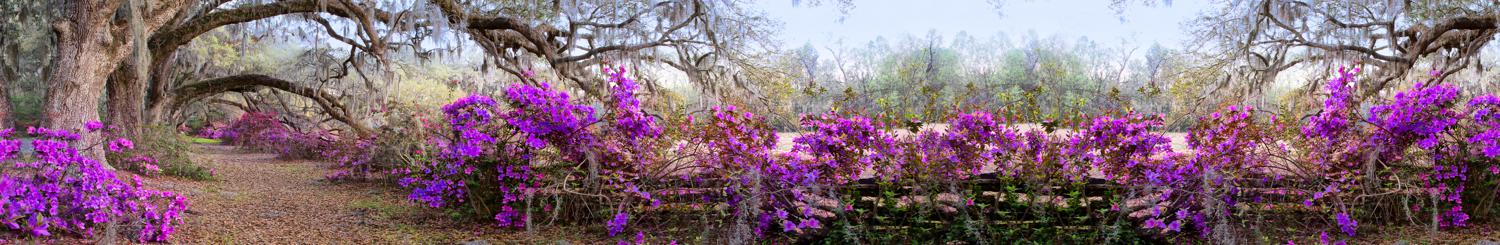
{"x": 441, "y": 181}
{"x": 627, "y": 150}
{"x": 1419, "y": 117}
{"x": 256, "y": 130}
{"x": 1042, "y": 159}
{"x": 62, "y": 192}
{"x": 209, "y": 132}
{"x": 736, "y": 148}
{"x": 854, "y": 177}
{"x": 480, "y": 162}
{"x": 299, "y": 145}
{"x": 1337, "y": 149}
{"x": 842, "y": 148}
{"x": 353, "y": 159}
{"x": 1485, "y": 111}
{"x": 1123, "y": 148}
{"x": 1482, "y": 138}
{"x": 1331, "y": 136}
{"x": 1200, "y": 192}
{"x": 731, "y": 142}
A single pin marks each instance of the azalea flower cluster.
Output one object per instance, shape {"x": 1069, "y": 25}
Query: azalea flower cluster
{"x": 60, "y": 191}
{"x": 1485, "y": 111}
{"x": 1418, "y": 116}
{"x": 842, "y": 148}
{"x": 1124, "y": 148}
{"x": 544, "y": 116}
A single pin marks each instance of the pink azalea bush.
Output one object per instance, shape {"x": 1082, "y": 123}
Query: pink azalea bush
{"x": 256, "y": 130}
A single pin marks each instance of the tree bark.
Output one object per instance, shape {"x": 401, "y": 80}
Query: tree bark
{"x": 7, "y": 115}
{"x": 78, "y": 76}
{"x": 158, "y": 87}
{"x": 127, "y": 96}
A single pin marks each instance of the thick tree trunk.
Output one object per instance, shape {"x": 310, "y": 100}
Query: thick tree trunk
{"x": 127, "y": 96}
{"x": 156, "y": 110}
{"x": 156, "y": 89}
{"x": 90, "y": 45}
{"x": 78, "y": 76}
{"x": 7, "y": 116}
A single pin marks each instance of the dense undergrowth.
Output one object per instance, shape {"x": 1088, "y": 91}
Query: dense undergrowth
{"x": 160, "y": 150}
{"x": 534, "y": 156}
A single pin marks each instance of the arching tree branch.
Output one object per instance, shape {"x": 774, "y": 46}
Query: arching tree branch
{"x": 250, "y": 82}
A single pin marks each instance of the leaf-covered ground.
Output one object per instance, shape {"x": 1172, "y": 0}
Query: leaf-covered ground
{"x": 258, "y": 199}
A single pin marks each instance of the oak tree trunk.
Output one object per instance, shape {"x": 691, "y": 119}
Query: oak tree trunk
{"x": 7, "y": 116}
{"x": 156, "y": 89}
{"x": 77, "y": 79}
{"x": 127, "y": 96}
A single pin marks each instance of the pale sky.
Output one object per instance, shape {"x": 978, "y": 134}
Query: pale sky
{"x": 1068, "y": 19}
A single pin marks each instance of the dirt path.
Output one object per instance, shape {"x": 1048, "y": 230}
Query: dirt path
{"x": 258, "y": 199}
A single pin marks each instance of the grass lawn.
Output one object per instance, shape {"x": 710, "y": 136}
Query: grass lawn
{"x": 197, "y": 140}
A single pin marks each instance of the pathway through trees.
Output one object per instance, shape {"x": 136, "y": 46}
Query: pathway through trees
{"x": 259, "y": 199}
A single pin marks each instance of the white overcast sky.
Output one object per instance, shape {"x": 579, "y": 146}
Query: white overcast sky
{"x": 1138, "y": 25}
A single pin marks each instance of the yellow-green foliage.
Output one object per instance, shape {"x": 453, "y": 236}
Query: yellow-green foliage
{"x": 427, "y": 84}
{"x": 225, "y": 52}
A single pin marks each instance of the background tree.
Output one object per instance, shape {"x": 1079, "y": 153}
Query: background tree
{"x": 1259, "y": 41}
{"x": 25, "y": 58}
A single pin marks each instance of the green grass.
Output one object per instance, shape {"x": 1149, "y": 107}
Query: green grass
{"x": 197, "y": 140}
{"x": 192, "y": 172}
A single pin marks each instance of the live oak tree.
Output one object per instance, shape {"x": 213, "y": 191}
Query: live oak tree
{"x": 1393, "y": 40}
{"x": 93, "y": 37}
{"x": 25, "y": 41}
{"x": 130, "y": 48}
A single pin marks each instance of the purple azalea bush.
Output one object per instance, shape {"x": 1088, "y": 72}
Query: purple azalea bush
{"x": 57, "y": 191}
